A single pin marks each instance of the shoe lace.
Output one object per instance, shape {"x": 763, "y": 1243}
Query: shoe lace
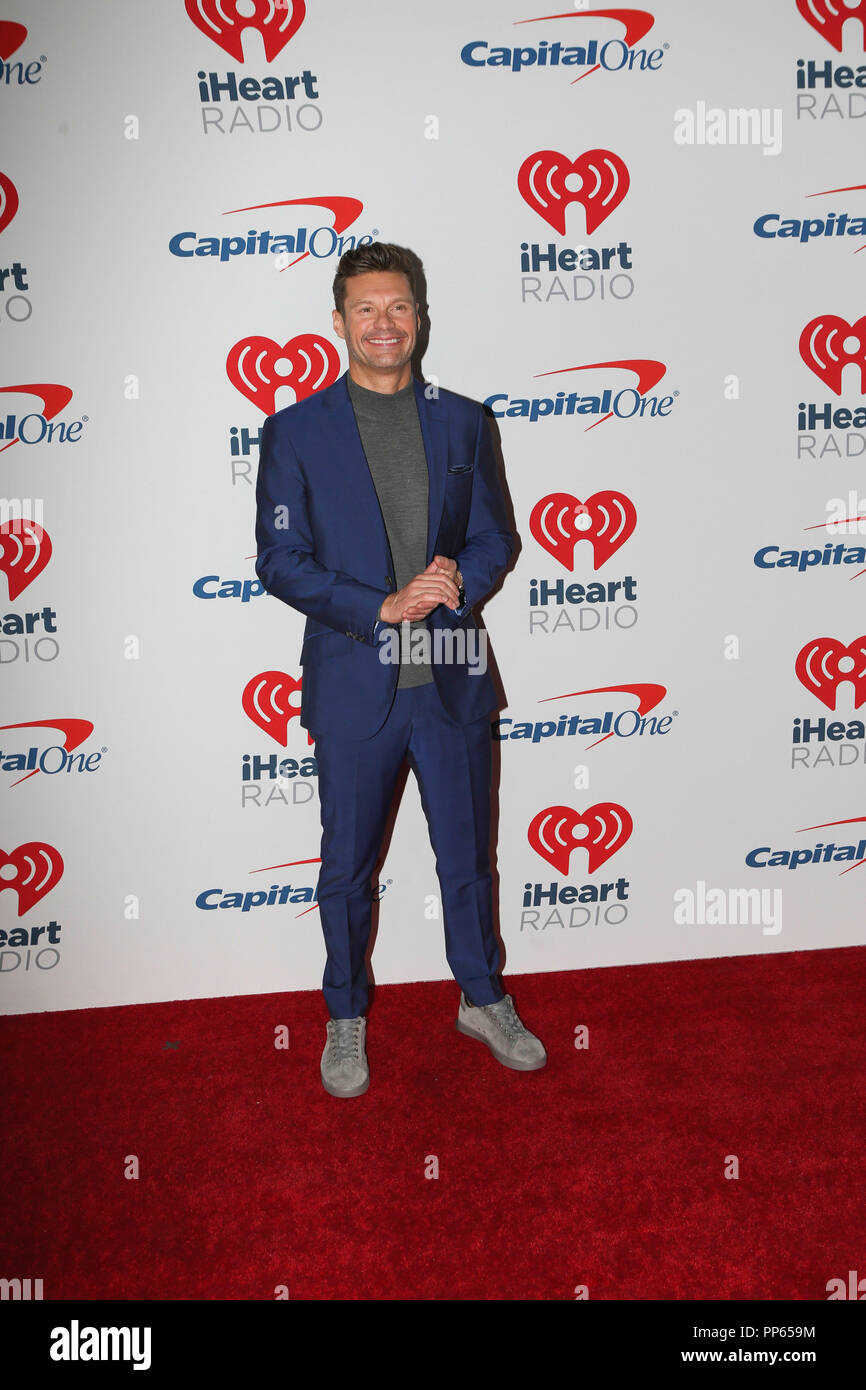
{"x": 346, "y": 1040}
{"x": 506, "y": 1016}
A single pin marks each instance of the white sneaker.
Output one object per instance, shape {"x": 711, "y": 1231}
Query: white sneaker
{"x": 344, "y": 1061}
{"x": 498, "y": 1026}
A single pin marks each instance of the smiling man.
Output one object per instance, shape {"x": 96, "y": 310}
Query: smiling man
{"x": 379, "y": 514}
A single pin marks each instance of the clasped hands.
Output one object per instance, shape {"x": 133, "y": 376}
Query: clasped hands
{"x": 422, "y": 594}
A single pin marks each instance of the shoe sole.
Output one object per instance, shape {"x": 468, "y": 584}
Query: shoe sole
{"x": 346, "y": 1095}
{"x": 500, "y": 1057}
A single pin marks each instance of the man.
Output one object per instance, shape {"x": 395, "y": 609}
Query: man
{"x": 379, "y": 514}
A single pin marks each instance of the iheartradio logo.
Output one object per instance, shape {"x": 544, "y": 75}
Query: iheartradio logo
{"x": 223, "y": 23}
{"x": 549, "y": 181}
{"x": 32, "y": 870}
{"x": 25, "y": 549}
{"x": 8, "y": 201}
{"x": 827, "y": 18}
{"x": 559, "y": 521}
{"x": 258, "y": 367}
{"x": 267, "y": 701}
{"x": 825, "y": 662}
{"x": 558, "y": 830}
{"x": 828, "y": 344}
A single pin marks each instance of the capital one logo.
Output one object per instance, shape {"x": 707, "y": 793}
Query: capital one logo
{"x": 559, "y": 521}
{"x": 12, "y": 36}
{"x": 8, "y": 201}
{"x": 25, "y": 549}
{"x": 267, "y": 701}
{"x": 828, "y": 344}
{"x": 548, "y": 181}
{"x": 53, "y": 397}
{"x": 31, "y": 870}
{"x": 258, "y": 367}
{"x": 224, "y": 23}
{"x": 825, "y": 662}
{"x": 827, "y": 18}
{"x": 558, "y": 830}
{"x": 74, "y": 732}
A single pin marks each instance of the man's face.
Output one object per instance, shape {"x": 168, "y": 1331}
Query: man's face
{"x": 380, "y": 320}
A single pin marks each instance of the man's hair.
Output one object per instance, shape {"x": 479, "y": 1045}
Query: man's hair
{"x": 378, "y": 255}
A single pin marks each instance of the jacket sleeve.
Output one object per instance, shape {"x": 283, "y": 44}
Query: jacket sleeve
{"x": 489, "y": 541}
{"x": 287, "y": 564}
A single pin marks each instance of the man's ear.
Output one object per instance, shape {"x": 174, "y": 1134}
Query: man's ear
{"x": 338, "y": 324}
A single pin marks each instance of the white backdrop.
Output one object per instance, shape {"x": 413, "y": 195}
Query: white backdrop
{"x": 111, "y": 153}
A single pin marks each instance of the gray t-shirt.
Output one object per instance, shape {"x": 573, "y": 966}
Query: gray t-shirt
{"x": 391, "y": 436}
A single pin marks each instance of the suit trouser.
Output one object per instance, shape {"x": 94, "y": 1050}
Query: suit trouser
{"x": 356, "y": 782}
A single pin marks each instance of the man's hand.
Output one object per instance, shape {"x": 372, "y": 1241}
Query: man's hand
{"x": 445, "y": 565}
{"x": 422, "y": 594}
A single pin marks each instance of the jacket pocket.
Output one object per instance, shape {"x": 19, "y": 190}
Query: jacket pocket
{"x": 305, "y": 645}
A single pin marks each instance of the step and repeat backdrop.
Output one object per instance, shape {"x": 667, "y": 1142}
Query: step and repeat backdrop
{"x": 641, "y": 232}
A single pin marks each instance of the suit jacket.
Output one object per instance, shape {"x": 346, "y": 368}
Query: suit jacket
{"x": 323, "y": 549}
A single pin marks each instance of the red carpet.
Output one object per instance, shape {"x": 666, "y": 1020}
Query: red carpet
{"x": 606, "y": 1169}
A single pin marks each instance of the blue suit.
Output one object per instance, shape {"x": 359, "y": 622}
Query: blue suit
{"x": 323, "y": 549}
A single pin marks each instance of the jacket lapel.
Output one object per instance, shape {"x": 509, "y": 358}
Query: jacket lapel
{"x": 361, "y": 495}
{"x": 359, "y": 498}
{"x": 434, "y": 432}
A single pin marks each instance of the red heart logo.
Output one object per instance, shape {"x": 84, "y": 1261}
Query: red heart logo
{"x": 825, "y": 661}
{"x": 8, "y": 201}
{"x": 31, "y": 870}
{"x": 822, "y": 348}
{"x": 543, "y": 183}
{"x": 266, "y": 702}
{"x": 606, "y": 828}
{"x": 559, "y": 521}
{"x": 12, "y": 36}
{"x": 258, "y": 367}
{"x": 827, "y": 17}
{"x": 25, "y": 550}
{"x": 220, "y": 21}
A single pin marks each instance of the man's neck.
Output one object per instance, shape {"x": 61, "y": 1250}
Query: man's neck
{"x": 386, "y": 383}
